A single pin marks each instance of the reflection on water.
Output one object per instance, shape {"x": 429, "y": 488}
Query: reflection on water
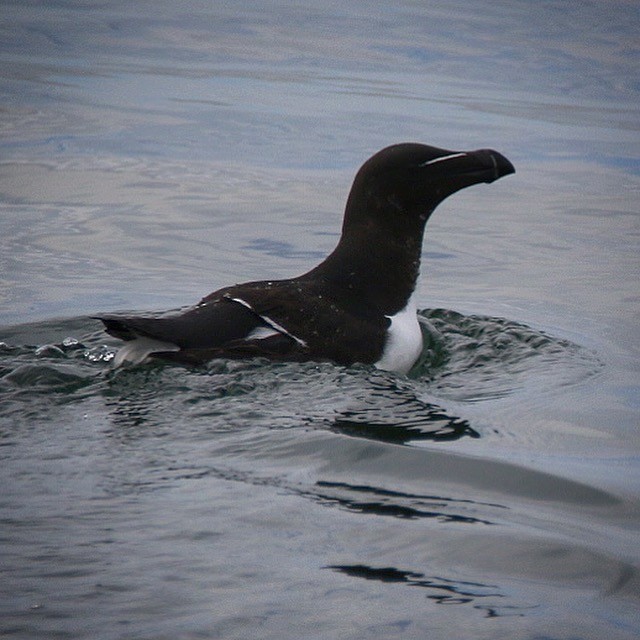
{"x": 384, "y": 502}
{"x": 440, "y": 590}
{"x": 430, "y": 423}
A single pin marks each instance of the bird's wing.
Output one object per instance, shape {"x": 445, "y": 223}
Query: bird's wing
{"x": 286, "y": 319}
{"x": 220, "y": 328}
{"x": 197, "y": 327}
{"x": 322, "y": 325}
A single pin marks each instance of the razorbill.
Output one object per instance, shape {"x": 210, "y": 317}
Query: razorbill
{"x": 358, "y": 305}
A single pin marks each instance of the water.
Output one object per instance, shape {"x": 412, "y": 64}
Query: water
{"x": 153, "y": 152}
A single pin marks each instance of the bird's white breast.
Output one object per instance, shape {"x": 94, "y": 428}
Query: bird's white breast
{"x": 404, "y": 340}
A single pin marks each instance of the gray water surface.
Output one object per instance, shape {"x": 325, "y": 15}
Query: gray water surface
{"x": 152, "y": 152}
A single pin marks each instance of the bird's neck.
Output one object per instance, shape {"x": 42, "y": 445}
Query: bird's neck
{"x": 379, "y": 271}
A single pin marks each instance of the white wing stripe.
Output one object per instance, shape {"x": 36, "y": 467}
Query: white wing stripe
{"x": 269, "y": 321}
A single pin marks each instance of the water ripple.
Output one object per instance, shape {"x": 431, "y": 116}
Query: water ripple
{"x": 465, "y": 358}
{"x": 473, "y": 358}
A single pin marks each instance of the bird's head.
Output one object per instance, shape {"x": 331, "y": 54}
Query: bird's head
{"x": 400, "y": 186}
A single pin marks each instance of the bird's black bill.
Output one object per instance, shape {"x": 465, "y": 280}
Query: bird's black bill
{"x": 495, "y": 165}
{"x": 483, "y": 165}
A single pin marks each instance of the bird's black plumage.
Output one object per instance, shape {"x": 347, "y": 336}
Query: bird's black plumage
{"x": 343, "y": 309}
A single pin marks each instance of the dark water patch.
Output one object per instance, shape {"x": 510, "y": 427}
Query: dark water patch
{"x": 380, "y": 501}
{"x": 440, "y": 590}
{"x": 434, "y": 424}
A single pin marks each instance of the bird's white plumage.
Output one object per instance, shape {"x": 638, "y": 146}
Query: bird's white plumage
{"x": 404, "y": 340}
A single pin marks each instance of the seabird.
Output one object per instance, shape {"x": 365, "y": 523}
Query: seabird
{"x": 357, "y": 305}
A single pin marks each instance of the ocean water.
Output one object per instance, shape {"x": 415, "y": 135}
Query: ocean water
{"x": 152, "y": 152}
